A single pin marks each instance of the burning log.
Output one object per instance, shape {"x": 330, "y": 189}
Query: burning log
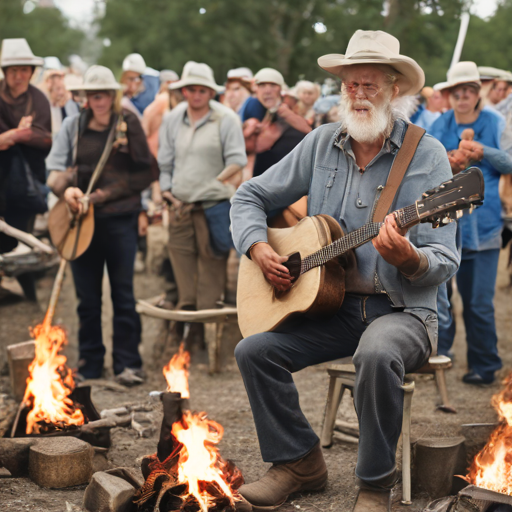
{"x": 187, "y": 473}
{"x": 492, "y": 467}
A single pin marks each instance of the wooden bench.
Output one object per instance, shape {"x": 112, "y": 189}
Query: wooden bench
{"x": 214, "y": 320}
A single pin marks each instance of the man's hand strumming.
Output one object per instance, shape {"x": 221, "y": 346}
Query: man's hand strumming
{"x": 271, "y": 265}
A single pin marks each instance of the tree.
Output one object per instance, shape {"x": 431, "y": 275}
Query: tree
{"x": 45, "y": 29}
{"x": 289, "y": 35}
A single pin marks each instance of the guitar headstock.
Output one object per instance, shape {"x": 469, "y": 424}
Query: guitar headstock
{"x": 446, "y": 203}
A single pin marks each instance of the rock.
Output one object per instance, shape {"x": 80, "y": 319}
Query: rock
{"x": 100, "y": 461}
{"x": 108, "y": 493}
{"x": 132, "y": 476}
{"x": 8, "y": 410}
{"x": 5, "y": 473}
{"x": 14, "y": 455}
{"x": 60, "y": 462}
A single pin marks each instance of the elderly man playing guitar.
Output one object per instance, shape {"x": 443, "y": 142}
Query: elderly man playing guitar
{"x": 388, "y": 320}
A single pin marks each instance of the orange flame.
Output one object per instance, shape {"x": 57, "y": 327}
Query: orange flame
{"x": 199, "y": 458}
{"x": 50, "y": 382}
{"x": 176, "y": 373}
{"x": 492, "y": 466}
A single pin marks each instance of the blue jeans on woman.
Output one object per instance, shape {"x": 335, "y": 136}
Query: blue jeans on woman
{"x": 115, "y": 244}
{"x": 476, "y": 281}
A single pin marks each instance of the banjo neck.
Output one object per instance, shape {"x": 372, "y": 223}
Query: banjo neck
{"x": 405, "y": 218}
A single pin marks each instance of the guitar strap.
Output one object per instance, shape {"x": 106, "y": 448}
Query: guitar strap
{"x": 400, "y": 165}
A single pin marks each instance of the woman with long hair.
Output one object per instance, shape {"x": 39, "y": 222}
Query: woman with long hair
{"x": 116, "y": 199}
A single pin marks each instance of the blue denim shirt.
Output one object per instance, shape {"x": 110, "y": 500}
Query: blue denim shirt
{"x": 321, "y": 167}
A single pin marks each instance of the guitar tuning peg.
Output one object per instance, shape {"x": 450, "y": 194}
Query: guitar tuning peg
{"x": 471, "y": 208}
{"x": 459, "y": 214}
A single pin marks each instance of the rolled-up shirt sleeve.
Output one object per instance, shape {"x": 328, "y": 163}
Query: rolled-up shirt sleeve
{"x": 166, "y": 151}
{"x": 233, "y": 142}
{"x": 61, "y": 155}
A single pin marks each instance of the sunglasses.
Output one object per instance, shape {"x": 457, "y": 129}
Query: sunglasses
{"x": 464, "y": 92}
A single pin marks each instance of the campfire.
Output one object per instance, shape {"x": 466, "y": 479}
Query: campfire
{"x": 187, "y": 473}
{"x": 50, "y": 384}
{"x": 492, "y": 467}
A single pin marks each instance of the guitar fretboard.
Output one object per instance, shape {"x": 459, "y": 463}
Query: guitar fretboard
{"x": 405, "y": 217}
{"x": 337, "y": 248}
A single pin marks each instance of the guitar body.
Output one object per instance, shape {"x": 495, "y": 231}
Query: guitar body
{"x": 71, "y": 238}
{"x": 318, "y": 293}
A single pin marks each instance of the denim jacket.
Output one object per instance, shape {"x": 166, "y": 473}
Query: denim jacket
{"x": 320, "y": 168}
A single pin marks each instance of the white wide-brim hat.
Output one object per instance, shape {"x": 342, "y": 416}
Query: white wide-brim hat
{"x": 17, "y": 52}
{"x": 464, "y": 72}
{"x": 269, "y": 76}
{"x": 97, "y": 78}
{"x": 377, "y": 47}
{"x": 197, "y": 73}
{"x": 134, "y": 62}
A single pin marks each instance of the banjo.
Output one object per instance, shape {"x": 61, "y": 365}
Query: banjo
{"x": 316, "y": 247}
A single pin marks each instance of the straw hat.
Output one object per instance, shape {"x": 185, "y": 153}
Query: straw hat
{"x": 197, "y": 73}
{"x": 97, "y": 78}
{"x": 17, "y": 52}
{"x": 464, "y": 72}
{"x": 269, "y": 76}
{"x": 134, "y": 62}
{"x": 377, "y": 47}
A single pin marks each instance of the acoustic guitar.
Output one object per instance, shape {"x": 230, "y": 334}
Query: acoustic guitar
{"x": 316, "y": 248}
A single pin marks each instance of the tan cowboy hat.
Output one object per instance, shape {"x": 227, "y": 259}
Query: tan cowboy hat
{"x": 97, "y": 78}
{"x": 197, "y": 73}
{"x": 17, "y": 52}
{"x": 464, "y": 72}
{"x": 377, "y": 47}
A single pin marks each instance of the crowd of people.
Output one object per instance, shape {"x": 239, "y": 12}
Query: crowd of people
{"x": 185, "y": 143}
{"x": 224, "y": 161}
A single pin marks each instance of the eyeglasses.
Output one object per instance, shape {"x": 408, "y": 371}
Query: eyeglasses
{"x": 463, "y": 92}
{"x": 134, "y": 79}
{"x": 369, "y": 90}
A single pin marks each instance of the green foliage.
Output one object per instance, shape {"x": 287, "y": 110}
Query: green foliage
{"x": 45, "y": 29}
{"x": 276, "y": 33}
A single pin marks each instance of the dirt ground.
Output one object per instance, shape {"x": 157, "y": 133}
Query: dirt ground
{"x": 223, "y": 397}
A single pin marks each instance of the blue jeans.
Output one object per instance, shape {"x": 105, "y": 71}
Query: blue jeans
{"x": 476, "y": 281}
{"x": 114, "y": 243}
{"x": 385, "y": 344}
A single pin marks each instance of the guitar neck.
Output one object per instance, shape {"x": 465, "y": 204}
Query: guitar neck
{"x": 405, "y": 218}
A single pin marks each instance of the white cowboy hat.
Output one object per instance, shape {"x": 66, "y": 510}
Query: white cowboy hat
{"x": 464, "y": 72}
{"x": 244, "y": 74}
{"x": 197, "y": 73}
{"x": 269, "y": 76}
{"x": 17, "y": 52}
{"x": 490, "y": 73}
{"x": 97, "y": 78}
{"x": 168, "y": 75}
{"x": 134, "y": 62}
{"x": 377, "y": 47}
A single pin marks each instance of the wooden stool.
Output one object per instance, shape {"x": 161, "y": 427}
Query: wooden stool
{"x": 342, "y": 377}
{"x": 437, "y": 366}
{"x": 214, "y": 320}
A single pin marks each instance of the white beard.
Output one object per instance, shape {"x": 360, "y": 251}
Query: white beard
{"x": 366, "y": 127}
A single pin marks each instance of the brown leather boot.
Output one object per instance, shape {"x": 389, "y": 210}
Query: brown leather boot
{"x": 281, "y": 480}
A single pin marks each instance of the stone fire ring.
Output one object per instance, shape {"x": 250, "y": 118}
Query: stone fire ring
{"x": 60, "y": 462}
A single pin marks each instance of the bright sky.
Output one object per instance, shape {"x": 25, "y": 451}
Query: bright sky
{"x": 81, "y": 11}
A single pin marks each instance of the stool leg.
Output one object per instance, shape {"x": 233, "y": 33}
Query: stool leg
{"x": 213, "y": 335}
{"x": 406, "y": 444}
{"x": 445, "y": 406}
{"x": 334, "y": 396}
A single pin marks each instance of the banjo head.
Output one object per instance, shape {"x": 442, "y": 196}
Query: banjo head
{"x": 70, "y": 238}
